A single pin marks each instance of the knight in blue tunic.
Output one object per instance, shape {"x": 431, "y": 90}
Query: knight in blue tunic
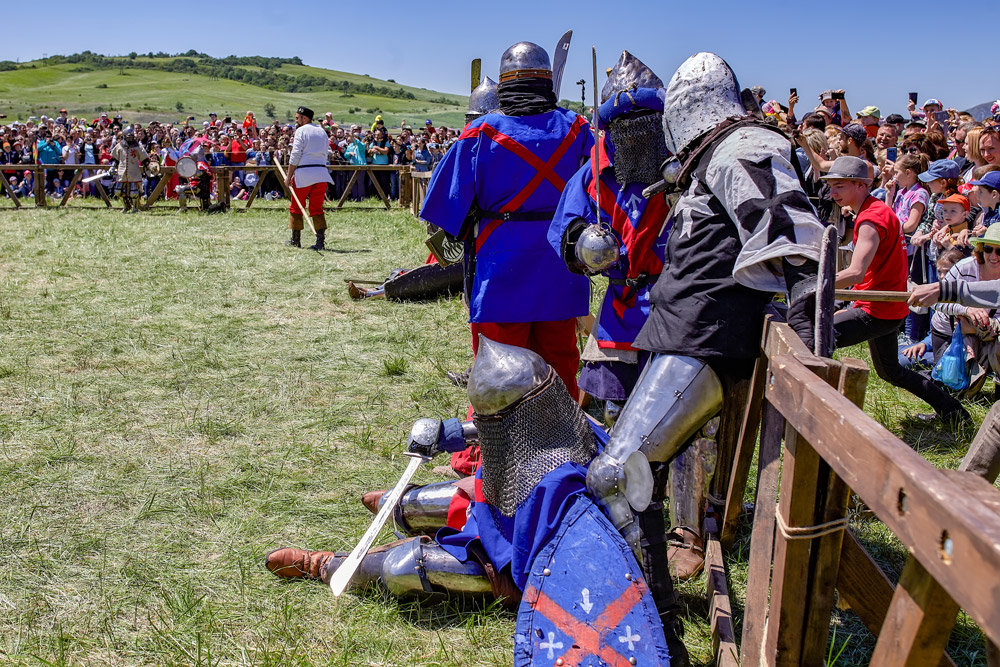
{"x": 630, "y": 115}
{"x": 497, "y": 190}
{"x": 533, "y": 536}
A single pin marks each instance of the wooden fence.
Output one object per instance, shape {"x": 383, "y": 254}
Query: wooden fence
{"x": 223, "y": 176}
{"x": 801, "y": 550}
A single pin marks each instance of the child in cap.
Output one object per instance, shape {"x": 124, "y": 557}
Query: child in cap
{"x": 953, "y": 211}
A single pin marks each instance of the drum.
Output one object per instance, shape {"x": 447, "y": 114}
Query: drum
{"x": 186, "y": 167}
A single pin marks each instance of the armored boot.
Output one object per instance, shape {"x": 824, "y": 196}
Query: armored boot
{"x": 126, "y": 203}
{"x": 690, "y": 476}
{"x": 319, "y": 222}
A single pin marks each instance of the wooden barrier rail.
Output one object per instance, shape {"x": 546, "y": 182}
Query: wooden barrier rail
{"x": 801, "y": 549}
{"x": 223, "y": 176}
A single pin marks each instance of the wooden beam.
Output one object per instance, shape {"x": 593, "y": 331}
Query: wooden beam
{"x": 772, "y": 428}
{"x": 720, "y": 610}
{"x": 103, "y": 193}
{"x": 953, "y": 536}
{"x": 865, "y": 588}
{"x": 378, "y": 188}
{"x": 831, "y": 506}
{"x": 9, "y": 189}
{"x": 77, "y": 175}
{"x": 256, "y": 190}
{"x": 919, "y": 620}
{"x": 165, "y": 174}
{"x": 347, "y": 189}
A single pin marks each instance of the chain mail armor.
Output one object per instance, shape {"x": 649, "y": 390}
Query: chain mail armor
{"x": 523, "y": 443}
{"x": 639, "y": 147}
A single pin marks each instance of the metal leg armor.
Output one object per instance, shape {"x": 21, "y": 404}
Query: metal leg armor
{"x": 419, "y": 566}
{"x": 423, "y": 509}
{"x": 674, "y": 397}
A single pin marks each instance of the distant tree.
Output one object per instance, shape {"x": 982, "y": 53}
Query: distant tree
{"x": 133, "y": 55}
{"x": 179, "y": 106}
{"x": 269, "y": 109}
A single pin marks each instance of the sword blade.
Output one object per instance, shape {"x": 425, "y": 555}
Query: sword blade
{"x": 95, "y": 177}
{"x": 340, "y": 578}
{"x": 559, "y": 61}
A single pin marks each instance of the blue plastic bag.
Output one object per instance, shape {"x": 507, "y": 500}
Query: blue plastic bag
{"x": 951, "y": 369}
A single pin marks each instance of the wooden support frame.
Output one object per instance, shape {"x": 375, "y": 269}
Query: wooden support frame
{"x": 955, "y": 537}
{"x": 77, "y": 175}
{"x": 9, "y": 189}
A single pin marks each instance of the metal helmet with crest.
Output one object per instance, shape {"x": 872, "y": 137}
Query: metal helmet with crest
{"x": 702, "y": 93}
{"x": 528, "y": 423}
{"x": 524, "y": 60}
{"x": 631, "y": 113}
{"x": 629, "y": 73}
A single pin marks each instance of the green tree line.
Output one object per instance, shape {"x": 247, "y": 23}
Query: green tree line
{"x": 233, "y": 68}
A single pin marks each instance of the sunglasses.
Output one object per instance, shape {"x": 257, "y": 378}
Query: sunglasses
{"x": 990, "y": 249}
{"x": 912, "y": 150}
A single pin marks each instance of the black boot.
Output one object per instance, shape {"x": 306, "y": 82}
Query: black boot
{"x": 320, "y": 240}
{"x": 661, "y": 586}
{"x": 296, "y": 240}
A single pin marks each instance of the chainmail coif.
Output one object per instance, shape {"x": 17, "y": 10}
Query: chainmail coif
{"x": 528, "y": 440}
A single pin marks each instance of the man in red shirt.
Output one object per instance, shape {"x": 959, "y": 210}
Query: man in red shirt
{"x": 879, "y": 263}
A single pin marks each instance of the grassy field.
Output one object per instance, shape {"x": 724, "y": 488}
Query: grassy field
{"x": 143, "y": 95}
{"x": 180, "y": 394}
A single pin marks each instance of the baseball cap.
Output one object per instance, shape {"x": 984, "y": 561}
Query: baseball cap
{"x": 955, "y": 199}
{"x": 931, "y": 101}
{"x": 856, "y": 132}
{"x": 427, "y": 122}
{"x": 940, "y": 169}
{"x": 894, "y": 118}
{"x": 990, "y": 179}
{"x": 848, "y": 167}
{"x": 871, "y": 111}
{"x": 212, "y": 113}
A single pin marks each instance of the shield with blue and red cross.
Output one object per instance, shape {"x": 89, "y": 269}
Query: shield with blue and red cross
{"x": 586, "y": 602}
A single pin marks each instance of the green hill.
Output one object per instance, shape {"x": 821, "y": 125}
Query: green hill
{"x": 142, "y": 88}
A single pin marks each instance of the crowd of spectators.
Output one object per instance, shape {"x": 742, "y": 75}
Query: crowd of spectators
{"x": 66, "y": 140}
{"x": 930, "y": 166}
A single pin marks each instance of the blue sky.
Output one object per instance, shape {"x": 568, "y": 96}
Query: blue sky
{"x": 811, "y": 46}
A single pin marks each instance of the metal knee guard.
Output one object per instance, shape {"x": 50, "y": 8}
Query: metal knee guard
{"x": 423, "y": 509}
{"x": 419, "y": 567}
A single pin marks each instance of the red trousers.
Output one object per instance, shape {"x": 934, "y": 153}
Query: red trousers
{"x": 316, "y": 193}
{"x": 554, "y": 341}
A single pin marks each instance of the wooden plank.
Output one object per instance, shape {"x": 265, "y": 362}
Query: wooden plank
{"x": 865, "y": 588}
{"x": 347, "y": 189}
{"x": 405, "y": 188}
{"x": 39, "y": 176}
{"x": 825, "y": 557}
{"x": 103, "y": 194}
{"x": 9, "y": 189}
{"x": 165, "y": 175}
{"x": 222, "y": 186}
{"x": 720, "y": 609}
{"x": 743, "y": 456}
{"x": 919, "y": 620}
{"x": 772, "y": 428}
{"x": 378, "y": 188}
{"x": 77, "y": 175}
{"x": 977, "y": 488}
{"x": 869, "y": 295}
{"x": 953, "y": 536}
{"x": 255, "y": 191}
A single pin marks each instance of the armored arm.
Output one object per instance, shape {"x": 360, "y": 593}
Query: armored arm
{"x": 589, "y": 249}
{"x": 800, "y": 281}
{"x": 430, "y": 436}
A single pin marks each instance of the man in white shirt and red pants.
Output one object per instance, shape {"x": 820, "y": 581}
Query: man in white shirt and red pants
{"x": 308, "y": 176}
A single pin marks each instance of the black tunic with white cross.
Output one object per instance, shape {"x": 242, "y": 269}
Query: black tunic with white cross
{"x": 743, "y": 212}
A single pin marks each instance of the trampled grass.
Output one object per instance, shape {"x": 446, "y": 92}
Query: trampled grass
{"x": 181, "y": 393}
{"x": 83, "y": 92}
